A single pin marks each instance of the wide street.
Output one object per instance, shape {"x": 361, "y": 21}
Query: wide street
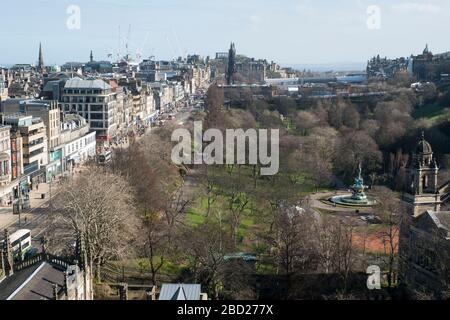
{"x": 33, "y": 218}
{"x": 30, "y": 219}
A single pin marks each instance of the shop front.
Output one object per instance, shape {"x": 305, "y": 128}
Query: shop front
{"x": 55, "y": 167}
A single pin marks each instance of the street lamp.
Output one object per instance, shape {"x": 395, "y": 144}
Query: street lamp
{"x": 16, "y": 209}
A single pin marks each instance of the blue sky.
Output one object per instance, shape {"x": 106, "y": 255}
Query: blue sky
{"x": 287, "y": 31}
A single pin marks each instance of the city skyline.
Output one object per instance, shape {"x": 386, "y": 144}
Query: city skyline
{"x": 259, "y": 29}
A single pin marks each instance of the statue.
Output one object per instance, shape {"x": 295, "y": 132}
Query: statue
{"x": 359, "y": 187}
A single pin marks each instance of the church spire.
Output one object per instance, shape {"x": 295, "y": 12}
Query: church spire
{"x": 41, "y": 66}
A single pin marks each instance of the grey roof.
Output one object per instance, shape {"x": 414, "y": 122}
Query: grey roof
{"x": 10, "y": 284}
{"x": 442, "y": 219}
{"x": 78, "y": 83}
{"x": 35, "y": 283}
{"x": 180, "y": 292}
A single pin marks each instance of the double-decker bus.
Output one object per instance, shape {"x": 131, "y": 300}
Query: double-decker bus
{"x": 20, "y": 243}
{"x": 104, "y": 157}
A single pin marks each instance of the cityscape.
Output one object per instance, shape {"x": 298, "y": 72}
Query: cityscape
{"x": 223, "y": 176}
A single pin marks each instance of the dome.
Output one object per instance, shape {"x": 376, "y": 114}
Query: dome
{"x": 423, "y": 147}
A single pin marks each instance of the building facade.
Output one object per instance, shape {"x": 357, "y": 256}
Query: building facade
{"x": 95, "y": 101}
{"x": 424, "y": 247}
{"x": 5, "y": 164}
{"x": 79, "y": 143}
{"x": 34, "y": 145}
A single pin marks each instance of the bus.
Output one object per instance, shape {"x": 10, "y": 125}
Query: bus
{"x": 104, "y": 158}
{"x": 20, "y": 243}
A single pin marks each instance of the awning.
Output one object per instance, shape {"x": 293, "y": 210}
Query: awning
{"x": 74, "y": 157}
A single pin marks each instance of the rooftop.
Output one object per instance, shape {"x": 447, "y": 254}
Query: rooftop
{"x": 180, "y": 292}
{"x": 33, "y": 283}
{"x": 78, "y": 83}
{"x": 442, "y": 219}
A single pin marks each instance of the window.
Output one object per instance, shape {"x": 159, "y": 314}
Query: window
{"x": 97, "y": 108}
{"x": 96, "y": 124}
{"x": 97, "y": 116}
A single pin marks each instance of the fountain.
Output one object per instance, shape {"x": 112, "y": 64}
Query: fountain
{"x": 358, "y": 198}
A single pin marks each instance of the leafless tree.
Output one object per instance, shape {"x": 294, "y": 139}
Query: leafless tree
{"x": 98, "y": 206}
{"x": 334, "y": 247}
{"x": 205, "y": 247}
{"x": 391, "y": 212}
{"x": 291, "y": 240}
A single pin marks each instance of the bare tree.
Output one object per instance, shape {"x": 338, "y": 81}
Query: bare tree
{"x": 334, "y": 247}
{"x": 205, "y": 247}
{"x": 390, "y": 211}
{"x": 97, "y": 206}
{"x": 290, "y": 241}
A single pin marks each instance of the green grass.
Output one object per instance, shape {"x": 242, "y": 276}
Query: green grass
{"x": 262, "y": 269}
{"x": 431, "y": 112}
{"x": 194, "y": 218}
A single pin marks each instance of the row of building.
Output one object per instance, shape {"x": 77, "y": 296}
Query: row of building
{"x": 37, "y": 143}
{"x": 55, "y": 117}
{"x": 424, "y": 67}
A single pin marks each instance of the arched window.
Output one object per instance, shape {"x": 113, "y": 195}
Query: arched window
{"x": 425, "y": 181}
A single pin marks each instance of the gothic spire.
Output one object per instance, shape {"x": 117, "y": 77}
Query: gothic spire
{"x": 41, "y": 66}
{"x": 231, "y": 70}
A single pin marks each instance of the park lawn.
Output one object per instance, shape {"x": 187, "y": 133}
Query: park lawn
{"x": 431, "y": 112}
{"x": 142, "y": 267}
{"x": 168, "y": 268}
{"x": 194, "y": 217}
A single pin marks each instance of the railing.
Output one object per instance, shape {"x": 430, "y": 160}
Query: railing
{"x": 40, "y": 258}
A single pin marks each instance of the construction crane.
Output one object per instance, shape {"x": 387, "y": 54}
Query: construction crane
{"x": 127, "y": 57}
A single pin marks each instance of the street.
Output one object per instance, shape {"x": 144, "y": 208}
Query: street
{"x": 30, "y": 219}
{"x": 33, "y": 218}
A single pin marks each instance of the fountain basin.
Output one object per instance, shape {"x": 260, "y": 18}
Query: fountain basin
{"x": 354, "y": 201}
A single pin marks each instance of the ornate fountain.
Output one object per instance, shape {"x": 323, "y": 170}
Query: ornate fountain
{"x": 358, "y": 198}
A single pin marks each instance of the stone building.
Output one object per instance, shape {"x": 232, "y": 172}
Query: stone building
{"x": 78, "y": 142}
{"x": 382, "y": 68}
{"x": 422, "y": 181}
{"x": 3, "y": 84}
{"x": 32, "y": 131}
{"x": 424, "y": 248}
{"x": 5, "y": 164}
{"x": 16, "y": 155}
{"x": 429, "y": 67}
{"x": 48, "y": 111}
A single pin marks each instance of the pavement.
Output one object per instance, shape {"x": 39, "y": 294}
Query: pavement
{"x": 32, "y": 218}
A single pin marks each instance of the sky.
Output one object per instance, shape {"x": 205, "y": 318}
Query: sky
{"x": 290, "y": 32}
